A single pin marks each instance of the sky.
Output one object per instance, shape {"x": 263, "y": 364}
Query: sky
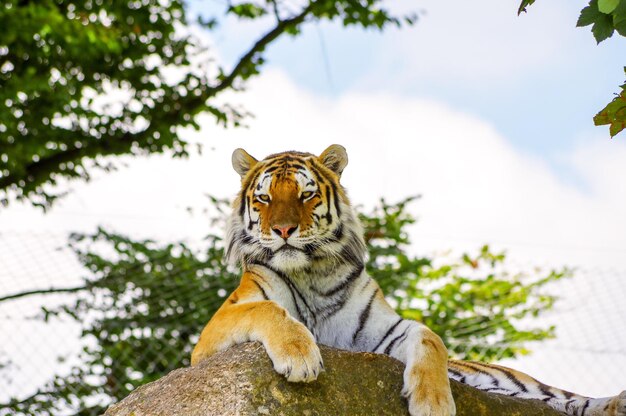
{"x": 485, "y": 114}
{"x": 536, "y": 77}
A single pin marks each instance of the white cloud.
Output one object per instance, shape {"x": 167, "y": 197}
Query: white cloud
{"x": 483, "y": 42}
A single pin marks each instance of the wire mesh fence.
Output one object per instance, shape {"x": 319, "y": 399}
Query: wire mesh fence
{"x": 47, "y": 350}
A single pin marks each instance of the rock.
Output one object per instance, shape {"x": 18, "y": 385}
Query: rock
{"x": 241, "y": 381}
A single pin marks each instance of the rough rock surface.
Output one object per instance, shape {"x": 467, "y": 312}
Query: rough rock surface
{"x": 241, "y": 381}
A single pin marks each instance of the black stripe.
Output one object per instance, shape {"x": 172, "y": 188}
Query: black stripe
{"x": 294, "y": 291}
{"x": 328, "y": 215}
{"x": 494, "y": 380}
{"x": 365, "y": 315}
{"x": 261, "y": 289}
{"x": 393, "y": 342}
{"x": 322, "y": 171}
{"x": 330, "y": 310}
{"x": 336, "y": 196}
{"x": 492, "y": 389}
{"x": 231, "y": 244}
{"x": 584, "y": 409}
{"x": 250, "y": 214}
{"x": 253, "y": 180}
{"x": 460, "y": 377}
{"x": 297, "y": 166}
{"x": 323, "y": 179}
{"x": 293, "y": 296}
{"x": 242, "y": 204}
{"x": 245, "y": 238}
{"x": 389, "y": 331}
{"x": 346, "y": 281}
{"x": 508, "y": 375}
{"x": 545, "y": 391}
{"x": 338, "y": 232}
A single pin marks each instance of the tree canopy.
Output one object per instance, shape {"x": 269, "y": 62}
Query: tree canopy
{"x": 83, "y": 80}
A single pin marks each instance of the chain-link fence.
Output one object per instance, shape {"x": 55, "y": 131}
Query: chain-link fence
{"x": 41, "y": 343}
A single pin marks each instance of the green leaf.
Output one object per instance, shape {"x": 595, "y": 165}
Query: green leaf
{"x": 614, "y": 114}
{"x": 247, "y": 10}
{"x": 619, "y": 18}
{"x": 617, "y": 127}
{"x": 523, "y": 5}
{"x": 603, "y": 29}
{"x": 607, "y": 6}
{"x": 602, "y": 23}
{"x": 589, "y": 15}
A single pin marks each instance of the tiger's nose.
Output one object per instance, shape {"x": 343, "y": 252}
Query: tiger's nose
{"x": 284, "y": 231}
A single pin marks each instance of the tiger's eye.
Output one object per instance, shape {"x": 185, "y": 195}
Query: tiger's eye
{"x": 263, "y": 198}
{"x": 307, "y": 194}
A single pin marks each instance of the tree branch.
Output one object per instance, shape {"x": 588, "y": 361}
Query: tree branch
{"x": 42, "y": 292}
{"x": 259, "y": 46}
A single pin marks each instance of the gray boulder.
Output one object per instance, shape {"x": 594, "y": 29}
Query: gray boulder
{"x": 241, "y": 381}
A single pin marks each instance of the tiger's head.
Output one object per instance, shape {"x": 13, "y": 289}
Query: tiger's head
{"x": 292, "y": 213}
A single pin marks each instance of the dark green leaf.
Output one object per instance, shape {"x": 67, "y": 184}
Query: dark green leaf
{"x": 523, "y": 5}
{"x": 602, "y": 29}
{"x": 589, "y": 15}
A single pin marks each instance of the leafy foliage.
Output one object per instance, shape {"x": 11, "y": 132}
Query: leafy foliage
{"x": 145, "y": 303}
{"x": 614, "y": 114}
{"x": 605, "y": 17}
{"x": 474, "y": 303}
{"x": 82, "y": 81}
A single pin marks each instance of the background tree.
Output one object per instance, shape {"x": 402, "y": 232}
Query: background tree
{"x": 605, "y": 18}
{"x": 143, "y": 305}
{"x": 81, "y": 80}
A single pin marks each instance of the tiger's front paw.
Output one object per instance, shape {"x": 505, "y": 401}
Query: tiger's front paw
{"x": 297, "y": 358}
{"x": 429, "y": 397}
{"x": 432, "y": 404}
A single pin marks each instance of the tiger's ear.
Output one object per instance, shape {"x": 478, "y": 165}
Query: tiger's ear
{"x": 335, "y": 158}
{"x": 242, "y": 162}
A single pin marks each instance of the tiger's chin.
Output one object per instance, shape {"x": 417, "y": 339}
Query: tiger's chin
{"x": 290, "y": 260}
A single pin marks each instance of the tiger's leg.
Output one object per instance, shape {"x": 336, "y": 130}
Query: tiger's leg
{"x": 503, "y": 380}
{"x": 247, "y": 316}
{"x": 426, "y": 383}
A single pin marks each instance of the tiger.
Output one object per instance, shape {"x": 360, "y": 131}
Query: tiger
{"x": 302, "y": 252}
